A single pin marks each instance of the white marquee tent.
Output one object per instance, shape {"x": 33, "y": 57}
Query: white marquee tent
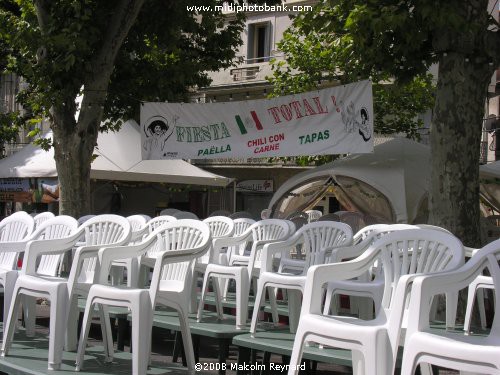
{"x": 391, "y": 183}
{"x": 119, "y": 158}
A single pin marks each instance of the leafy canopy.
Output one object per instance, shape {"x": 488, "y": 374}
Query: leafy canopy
{"x": 323, "y": 45}
{"x": 167, "y": 51}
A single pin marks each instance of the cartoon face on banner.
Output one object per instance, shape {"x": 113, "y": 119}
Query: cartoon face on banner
{"x": 158, "y": 131}
{"x": 356, "y": 120}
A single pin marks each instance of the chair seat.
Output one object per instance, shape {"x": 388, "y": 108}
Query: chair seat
{"x": 285, "y": 280}
{"x": 464, "y": 349}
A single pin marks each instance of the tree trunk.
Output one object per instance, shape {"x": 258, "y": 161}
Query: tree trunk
{"x": 73, "y": 155}
{"x": 455, "y": 145}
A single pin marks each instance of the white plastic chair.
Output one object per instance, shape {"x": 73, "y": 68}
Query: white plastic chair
{"x": 147, "y": 260}
{"x": 313, "y": 215}
{"x": 370, "y": 285}
{"x": 373, "y": 343}
{"x": 15, "y": 230}
{"x": 168, "y": 211}
{"x": 181, "y": 242}
{"x": 260, "y": 233}
{"x": 315, "y": 238}
{"x": 110, "y": 230}
{"x": 54, "y": 228}
{"x": 41, "y": 217}
{"x": 220, "y": 227}
{"x": 138, "y": 225}
{"x": 84, "y": 218}
{"x": 452, "y": 349}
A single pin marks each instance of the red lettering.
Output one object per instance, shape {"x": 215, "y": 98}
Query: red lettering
{"x": 274, "y": 111}
{"x": 318, "y": 105}
{"x": 286, "y": 112}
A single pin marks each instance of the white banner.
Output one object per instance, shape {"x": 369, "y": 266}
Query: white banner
{"x": 336, "y": 120}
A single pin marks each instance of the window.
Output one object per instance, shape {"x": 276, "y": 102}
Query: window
{"x": 259, "y": 42}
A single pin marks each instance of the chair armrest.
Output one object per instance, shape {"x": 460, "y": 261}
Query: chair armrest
{"x": 13, "y": 247}
{"x": 82, "y": 253}
{"x": 273, "y": 248}
{"x": 319, "y": 275}
{"x": 107, "y": 255}
{"x": 36, "y": 248}
{"x": 224, "y": 242}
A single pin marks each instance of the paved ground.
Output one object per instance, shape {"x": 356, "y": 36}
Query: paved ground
{"x": 163, "y": 344}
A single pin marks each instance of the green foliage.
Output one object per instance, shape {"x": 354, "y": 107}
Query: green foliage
{"x": 167, "y": 51}
{"x": 317, "y": 49}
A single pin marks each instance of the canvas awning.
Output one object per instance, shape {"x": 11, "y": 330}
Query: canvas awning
{"x": 118, "y": 158}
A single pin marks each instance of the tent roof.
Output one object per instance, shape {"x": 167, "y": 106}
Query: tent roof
{"x": 398, "y": 168}
{"x": 118, "y": 158}
{"x": 490, "y": 170}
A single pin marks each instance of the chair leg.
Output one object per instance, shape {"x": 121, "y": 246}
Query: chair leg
{"x": 261, "y": 291}
{"x": 298, "y": 348}
{"x": 294, "y": 305}
{"x": 8, "y": 289}
{"x": 186, "y": 339}
{"x": 29, "y": 308}
{"x": 217, "y": 297}
{"x": 451, "y": 309}
{"x": 242, "y": 291}
{"x": 10, "y": 325}
{"x": 141, "y": 335}
{"x": 87, "y": 320}
{"x": 57, "y": 326}
{"x": 274, "y": 304}
{"x": 72, "y": 329}
{"x": 107, "y": 336}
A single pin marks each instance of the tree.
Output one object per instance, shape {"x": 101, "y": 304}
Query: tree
{"x": 115, "y": 54}
{"x": 401, "y": 39}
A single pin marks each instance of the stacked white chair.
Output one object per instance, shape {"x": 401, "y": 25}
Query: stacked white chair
{"x": 63, "y": 293}
{"x": 373, "y": 343}
{"x": 15, "y": 230}
{"x": 260, "y": 233}
{"x": 313, "y": 215}
{"x": 315, "y": 238}
{"x": 220, "y": 227}
{"x": 180, "y": 243}
{"x": 138, "y": 225}
{"x": 41, "y": 217}
{"x": 471, "y": 354}
{"x": 369, "y": 285}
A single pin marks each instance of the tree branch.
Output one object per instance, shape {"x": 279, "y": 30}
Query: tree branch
{"x": 123, "y": 18}
{"x": 42, "y": 14}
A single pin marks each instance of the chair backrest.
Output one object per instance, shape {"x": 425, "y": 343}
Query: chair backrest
{"x": 266, "y": 230}
{"x": 41, "y": 217}
{"x": 56, "y": 227}
{"x": 241, "y": 215}
{"x": 329, "y": 217}
{"x": 108, "y": 229}
{"x": 181, "y": 235}
{"x": 168, "y": 211}
{"x": 84, "y": 218}
{"x": 16, "y": 227}
{"x": 354, "y": 219}
{"x": 240, "y": 226}
{"x": 265, "y": 213}
{"x": 158, "y": 221}
{"x": 137, "y": 222}
{"x": 488, "y": 258}
{"x": 220, "y": 227}
{"x": 185, "y": 215}
{"x": 313, "y": 215}
{"x": 318, "y": 236}
{"x": 413, "y": 251}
